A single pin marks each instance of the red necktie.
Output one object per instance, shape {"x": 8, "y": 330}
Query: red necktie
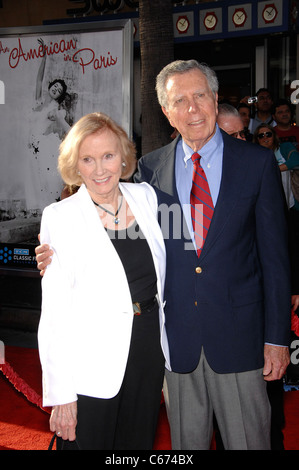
{"x": 202, "y": 206}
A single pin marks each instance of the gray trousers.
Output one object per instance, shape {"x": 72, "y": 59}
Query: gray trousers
{"x": 239, "y": 401}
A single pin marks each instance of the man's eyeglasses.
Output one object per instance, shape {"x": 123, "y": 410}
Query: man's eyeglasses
{"x": 238, "y": 134}
{"x": 265, "y": 134}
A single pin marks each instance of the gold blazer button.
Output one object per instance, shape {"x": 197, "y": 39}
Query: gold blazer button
{"x": 198, "y": 270}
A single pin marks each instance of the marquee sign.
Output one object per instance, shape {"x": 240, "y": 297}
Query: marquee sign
{"x": 219, "y": 19}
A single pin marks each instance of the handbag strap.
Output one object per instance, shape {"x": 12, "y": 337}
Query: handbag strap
{"x": 52, "y": 442}
{"x": 59, "y": 447}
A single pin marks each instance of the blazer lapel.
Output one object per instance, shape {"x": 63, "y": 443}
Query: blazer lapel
{"x": 94, "y": 227}
{"x": 89, "y": 212}
{"x": 139, "y": 211}
{"x": 233, "y": 173}
{"x": 165, "y": 172}
{"x": 150, "y": 231}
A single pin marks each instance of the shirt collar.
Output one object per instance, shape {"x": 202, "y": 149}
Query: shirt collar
{"x": 209, "y": 151}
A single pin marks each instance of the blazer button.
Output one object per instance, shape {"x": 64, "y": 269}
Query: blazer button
{"x": 198, "y": 270}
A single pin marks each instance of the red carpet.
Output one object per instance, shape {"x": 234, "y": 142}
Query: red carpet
{"x": 25, "y": 426}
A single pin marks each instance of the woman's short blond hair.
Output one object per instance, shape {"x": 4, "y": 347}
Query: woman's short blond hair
{"x": 87, "y": 125}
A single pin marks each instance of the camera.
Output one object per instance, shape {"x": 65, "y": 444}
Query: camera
{"x": 252, "y": 99}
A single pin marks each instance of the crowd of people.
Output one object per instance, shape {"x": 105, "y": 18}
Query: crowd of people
{"x": 212, "y": 305}
{"x": 271, "y": 125}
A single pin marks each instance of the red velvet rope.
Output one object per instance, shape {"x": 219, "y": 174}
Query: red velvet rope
{"x": 295, "y": 323}
{"x": 21, "y": 386}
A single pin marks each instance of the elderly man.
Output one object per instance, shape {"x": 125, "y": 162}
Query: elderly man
{"x": 230, "y": 121}
{"x": 227, "y": 300}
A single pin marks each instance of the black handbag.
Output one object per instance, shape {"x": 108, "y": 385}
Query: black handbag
{"x": 61, "y": 444}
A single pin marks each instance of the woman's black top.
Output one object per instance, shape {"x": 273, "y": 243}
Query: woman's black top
{"x": 137, "y": 260}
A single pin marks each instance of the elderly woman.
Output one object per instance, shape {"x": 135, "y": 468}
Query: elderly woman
{"x": 101, "y": 334}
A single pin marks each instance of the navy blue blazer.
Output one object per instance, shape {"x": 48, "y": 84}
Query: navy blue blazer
{"x": 236, "y": 296}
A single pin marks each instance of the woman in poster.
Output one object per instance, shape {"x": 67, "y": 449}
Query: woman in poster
{"x": 53, "y": 114}
{"x": 56, "y": 106}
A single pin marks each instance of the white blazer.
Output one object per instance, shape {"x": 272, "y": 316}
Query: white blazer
{"x": 86, "y": 319}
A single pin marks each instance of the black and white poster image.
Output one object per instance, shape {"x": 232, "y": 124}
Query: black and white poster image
{"x": 50, "y": 81}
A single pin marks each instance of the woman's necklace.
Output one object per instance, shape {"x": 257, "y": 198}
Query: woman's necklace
{"x": 116, "y": 219}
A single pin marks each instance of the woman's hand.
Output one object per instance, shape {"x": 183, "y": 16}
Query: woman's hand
{"x": 43, "y": 255}
{"x": 63, "y": 420}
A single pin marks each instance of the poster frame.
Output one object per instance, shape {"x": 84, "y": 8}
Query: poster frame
{"x": 123, "y": 25}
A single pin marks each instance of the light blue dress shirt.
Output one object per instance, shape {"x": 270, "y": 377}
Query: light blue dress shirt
{"x": 211, "y": 161}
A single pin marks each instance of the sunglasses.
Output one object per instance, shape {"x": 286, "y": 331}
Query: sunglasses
{"x": 238, "y": 134}
{"x": 264, "y": 134}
